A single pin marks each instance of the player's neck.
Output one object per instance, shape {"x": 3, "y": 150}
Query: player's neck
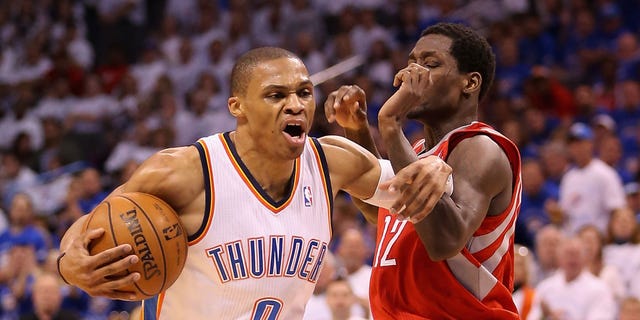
{"x": 439, "y": 125}
{"x": 435, "y": 131}
{"x": 273, "y": 175}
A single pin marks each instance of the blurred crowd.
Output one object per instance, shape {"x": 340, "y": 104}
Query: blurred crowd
{"x": 90, "y": 88}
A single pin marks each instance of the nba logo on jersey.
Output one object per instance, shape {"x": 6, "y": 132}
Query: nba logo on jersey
{"x": 308, "y": 198}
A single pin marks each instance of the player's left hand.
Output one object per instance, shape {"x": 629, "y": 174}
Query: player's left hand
{"x": 420, "y": 186}
{"x": 413, "y": 82}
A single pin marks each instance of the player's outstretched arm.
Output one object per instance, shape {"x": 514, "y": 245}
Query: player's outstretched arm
{"x": 356, "y": 171}
{"x": 171, "y": 175}
{"x": 481, "y": 172}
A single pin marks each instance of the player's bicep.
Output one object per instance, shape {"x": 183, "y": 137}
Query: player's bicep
{"x": 171, "y": 174}
{"x": 480, "y": 173}
{"x": 352, "y": 168}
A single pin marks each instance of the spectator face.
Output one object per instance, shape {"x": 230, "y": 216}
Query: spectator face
{"x": 571, "y": 258}
{"x": 340, "y": 298}
{"x": 352, "y": 250}
{"x": 186, "y": 51}
{"x": 10, "y": 166}
{"x": 630, "y": 309}
{"x": 581, "y": 152}
{"x": 21, "y": 210}
{"x": 547, "y": 241}
{"x": 610, "y": 150}
{"x": 554, "y": 159}
{"x": 46, "y": 295}
{"x": 627, "y": 46}
{"x": 622, "y": 224}
{"x": 592, "y": 241}
{"x": 532, "y": 177}
{"x": 91, "y": 182}
{"x": 630, "y": 94}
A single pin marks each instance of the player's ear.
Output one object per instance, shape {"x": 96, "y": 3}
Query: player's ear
{"x": 472, "y": 83}
{"x": 235, "y": 107}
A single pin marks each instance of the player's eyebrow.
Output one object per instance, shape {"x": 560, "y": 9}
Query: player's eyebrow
{"x": 277, "y": 87}
{"x": 423, "y": 54}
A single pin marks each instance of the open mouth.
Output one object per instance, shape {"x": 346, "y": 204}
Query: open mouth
{"x": 294, "y": 130}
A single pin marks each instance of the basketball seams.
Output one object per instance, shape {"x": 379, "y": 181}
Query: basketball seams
{"x": 155, "y": 232}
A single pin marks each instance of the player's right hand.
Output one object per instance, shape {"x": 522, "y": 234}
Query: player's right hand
{"x": 348, "y": 107}
{"x": 101, "y": 274}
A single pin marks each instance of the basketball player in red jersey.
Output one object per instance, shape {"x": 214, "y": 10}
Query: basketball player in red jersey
{"x": 456, "y": 260}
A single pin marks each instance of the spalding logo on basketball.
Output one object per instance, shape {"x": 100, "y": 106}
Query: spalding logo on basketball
{"x": 153, "y": 230}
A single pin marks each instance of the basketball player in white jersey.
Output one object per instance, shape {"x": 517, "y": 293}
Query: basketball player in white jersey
{"x": 255, "y": 202}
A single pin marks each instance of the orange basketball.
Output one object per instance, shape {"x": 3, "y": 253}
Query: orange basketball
{"x": 153, "y": 230}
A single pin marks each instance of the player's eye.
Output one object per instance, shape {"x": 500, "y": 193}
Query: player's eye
{"x": 304, "y": 93}
{"x": 431, "y": 64}
{"x": 276, "y": 96}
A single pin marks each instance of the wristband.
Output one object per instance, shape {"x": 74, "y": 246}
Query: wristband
{"x": 60, "y": 272}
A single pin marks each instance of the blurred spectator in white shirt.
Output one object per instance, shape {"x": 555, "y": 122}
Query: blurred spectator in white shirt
{"x": 632, "y": 190}
{"x": 18, "y": 121}
{"x": 594, "y": 241}
{"x": 623, "y": 244}
{"x": 56, "y": 102}
{"x": 211, "y": 24}
{"x": 220, "y": 63}
{"x": 267, "y": 28}
{"x": 32, "y": 66}
{"x": 352, "y": 253}
{"x": 184, "y": 73}
{"x": 170, "y": 39}
{"x": 78, "y": 47}
{"x": 546, "y": 243}
{"x": 590, "y": 190}
{"x": 573, "y": 293}
{"x": 150, "y": 68}
{"x": 367, "y": 31}
{"x": 14, "y": 177}
{"x": 305, "y": 48}
{"x": 134, "y": 147}
{"x": 340, "y": 298}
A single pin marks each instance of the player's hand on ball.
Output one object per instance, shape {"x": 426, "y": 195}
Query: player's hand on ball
{"x": 348, "y": 107}
{"x": 101, "y": 274}
{"x": 420, "y": 186}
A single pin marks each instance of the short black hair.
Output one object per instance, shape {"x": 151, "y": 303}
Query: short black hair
{"x": 245, "y": 64}
{"x": 471, "y": 51}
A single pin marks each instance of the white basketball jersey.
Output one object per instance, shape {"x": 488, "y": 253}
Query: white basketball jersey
{"x": 253, "y": 257}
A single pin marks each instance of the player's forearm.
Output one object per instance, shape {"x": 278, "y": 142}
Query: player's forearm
{"x": 399, "y": 149}
{"x": 364, "y": 138}
{"x": 443, "y": 231}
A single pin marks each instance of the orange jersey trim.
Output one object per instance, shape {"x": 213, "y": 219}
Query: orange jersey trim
{"x": 207, "y": 225}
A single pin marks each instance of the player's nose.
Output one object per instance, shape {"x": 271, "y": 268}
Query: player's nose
{"x": 294, "y": 104}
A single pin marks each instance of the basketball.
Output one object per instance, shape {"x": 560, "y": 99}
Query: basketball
{"x": 153, "y": 230}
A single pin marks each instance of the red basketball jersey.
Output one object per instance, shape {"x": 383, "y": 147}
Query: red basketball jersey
{"x": 475, "y": 284}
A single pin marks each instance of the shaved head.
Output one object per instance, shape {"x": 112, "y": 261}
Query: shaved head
{"x": 245, "y": 64}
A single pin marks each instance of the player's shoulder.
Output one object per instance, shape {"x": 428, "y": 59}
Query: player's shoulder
{"x": 334, "y": 141}
{"x": 176, "y": 156}
{"x": 172, "y": 162}
{"x": 481, "y": 145}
